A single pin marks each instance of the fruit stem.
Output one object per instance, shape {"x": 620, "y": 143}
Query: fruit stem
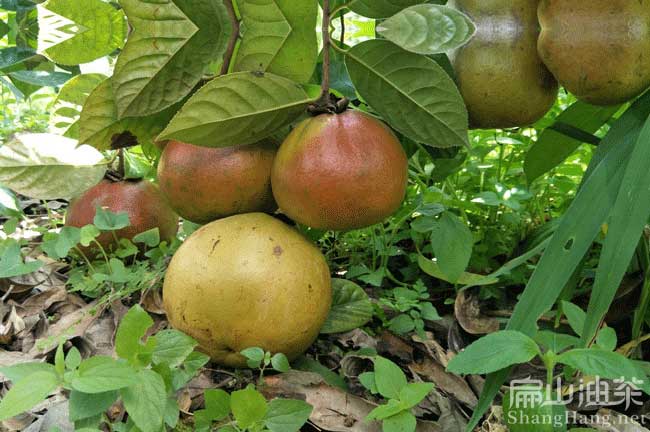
{"x": 121, "y": 171}
{"x": 327, "y": 42}
{"x": 234, "y": 38}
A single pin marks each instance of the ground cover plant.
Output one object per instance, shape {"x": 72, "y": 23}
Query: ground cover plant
{"x": 281, "y": 215}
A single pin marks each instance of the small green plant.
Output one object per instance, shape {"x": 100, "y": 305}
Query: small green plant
{"x": 412, "y": 306}
{"x": 507, "y": 348}
{"x": 257, "y": 358}
{"x": 389, "y": 381}
{"x": 247, "y": 410}
{"x": 145, "y": 377}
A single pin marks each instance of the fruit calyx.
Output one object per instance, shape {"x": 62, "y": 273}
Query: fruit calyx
{"x": 329, "y": 104}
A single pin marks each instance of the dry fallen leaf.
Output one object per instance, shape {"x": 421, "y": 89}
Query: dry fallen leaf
{"x": 468, "y": 313}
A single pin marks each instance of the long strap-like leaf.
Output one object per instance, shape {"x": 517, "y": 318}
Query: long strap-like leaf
{"x": 580, "y": 225}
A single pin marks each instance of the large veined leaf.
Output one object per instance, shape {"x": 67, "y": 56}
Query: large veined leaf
{"x": 100, "y": 127}
{"x": 351, "y": 307}
{"x": 381, "y": 8}
{"x": 47, "y": 166}
{"x": 237, "y": 109}
{"x": 557, "y": 142}
{"x": 279, "y": 36}
{"x": 411, "y": 92}
{"x": 428, "y": 29}
{"x": 69, "y": 102}
{"x": 172, "y": 45}
{"x": 579, "y": 226}
{"x": 74, "y": 32}
{"x": 40, "y": 78}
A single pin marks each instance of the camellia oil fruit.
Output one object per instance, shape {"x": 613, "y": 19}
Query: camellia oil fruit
{"x": 204, "y": 184}
{"x": 340, "y": 172}
{"x": 499, "y": 72}
{"x": 248, "y": 281}
{"x": 599, "y": 50}
{"x": 140, "y": 200}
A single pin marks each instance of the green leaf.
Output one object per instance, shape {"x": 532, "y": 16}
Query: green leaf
{"x": 172, "y": 347}
{"x": 519, "y": 415}
{"x": 389, "y": 378}
{"x": 287, "y": 415}
{"x": 575, "y": 316}
{"x": 554, "y": 145}
{"x": 217, "y": 404}
{"x": 351, "y": 307}
{"x": 59, "y": 361}
{"x": 411, "y": 92}
{"x": 100, "y": 126}
{"x": 254, "y": 356}
{"x": 579, "y": 227}
{"x": 46, "y": 166}
{"x": 401, "y": 324}
{"x": 279, "y": 36}
{"x": 27, "y": 393}
{"x": 390, "y": 409}
{"x": 452, "y": 243}
{"x": 607, "y": 339}
{"x": 432, "y": 268}
{"x": 41, "y": 78}
{"x": 367, "y": 379}
{"x": 150, "y": 238}
{"x": 402, "y": 422}
{"x": 14, "y": 55}
{"x": 605, "y": 364}
{"x": 145, "y": 401}
{"x": 414, "y": 393}
{"x": 627, "y": 221}
{"x": 106, "y": 220}
{"x": 429, "y": 312}
{"x": 88, "y": 234}
{"x": 101, "y": 374}
{"x": 280, "y": 363}
{"x": 98, "y": 29}
{"x": 381, "y": 8}
{"x": 18, "y": 372}
{"x": 248, "y": 406}
{"x": 60, "y": 245}
{"x": 428, "y": 29}
{"x": 85, "y": 405}
{"x": 69, "y": 102}
{"x": 165, "y": 57}
{"x": 310, "y": 365}
{"x": 494, "y": 352}
{"x": 237, "y": 109}
{"x": 556, "y": 342}
{"x": 128, "y": 339}
{"x": 11, "y": 263}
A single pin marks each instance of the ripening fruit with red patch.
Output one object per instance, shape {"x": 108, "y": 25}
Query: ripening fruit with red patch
{"x": 140, "y": 200}
{"x": 340, "y": 172}
{"x": 205, "y": 184}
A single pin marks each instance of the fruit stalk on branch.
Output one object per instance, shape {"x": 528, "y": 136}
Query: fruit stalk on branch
{"x": 232, "y": 43}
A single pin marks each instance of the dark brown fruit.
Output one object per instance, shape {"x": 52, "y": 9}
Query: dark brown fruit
{"x": 499, "y": 73}
{"x": 205, "y": 184}
{"x": 340, "y": 172}
{"x": 598, "y": 49}
{"x": 141, "y": 200}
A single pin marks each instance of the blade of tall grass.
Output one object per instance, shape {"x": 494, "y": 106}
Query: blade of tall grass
{"x": 628, "y": 217}
{"x": 574, "y": 236}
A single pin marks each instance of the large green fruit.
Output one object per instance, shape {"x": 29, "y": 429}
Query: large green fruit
{"x": 499, "y": 73}
{"x": 340, "y": 172}
{"x": 140, "y": 200}
{"x": 598, "y": 49}
{"x": 248, "y": 281}
{"x": 204, "y": 184}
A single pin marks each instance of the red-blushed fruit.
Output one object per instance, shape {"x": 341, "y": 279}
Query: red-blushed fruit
{"x": 141, "y": 200}
{"x": 340, "y": 172}
{"x": 205, "y": 184}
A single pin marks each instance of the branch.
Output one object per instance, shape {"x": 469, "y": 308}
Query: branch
{"x": 232, "y": 43}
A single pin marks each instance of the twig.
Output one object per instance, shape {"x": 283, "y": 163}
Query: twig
{"x": 232, "y": 43}
{"x": 327, "y": 42}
